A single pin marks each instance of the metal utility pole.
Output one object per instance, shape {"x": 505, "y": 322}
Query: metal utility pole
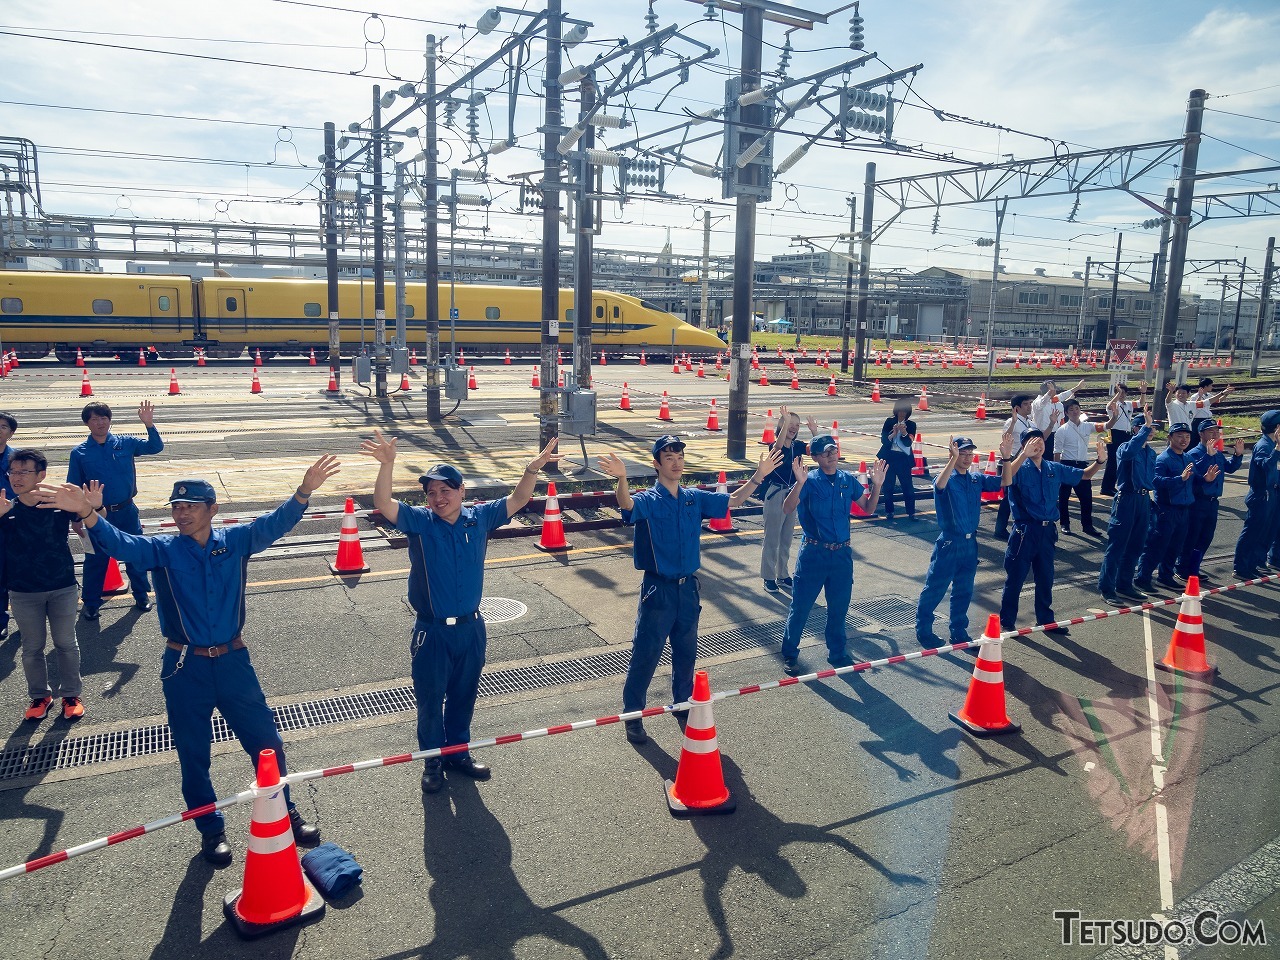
{"x": 398, "y": 243}
{"x": 331, "y": 251}
{"x": 584, "y": 246}
{"x": 864, "y": 274}
{"x": 548, "y": 404}
{"x": 379, "y": 265}
{"x": 1222, "y": 306}
{"x": 1157, "y": 288}
{"x": 848, "y": 287}
{"x": 1111, "y": 312}
{"x": 1178, "y": 244}
{"x": 1263, "y": 297}
{"x": 433, "y": 240}
{"x": 1235, "y": 325}
{"x": 1084, "y": 303}
{"x": 704, "y": 318}
{"x": 744, "y": 244}
{"x": 991, "y": 300}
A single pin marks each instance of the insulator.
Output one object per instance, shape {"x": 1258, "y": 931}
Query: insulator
{"x": 569, "y": 139}
{"x": 792, "y": 159}
{"x": 755, "y": 96}
{"x": 607, "y": 122}
{"x": 488, "y": 21}
{"x": 603, "y": 158}
{"x": 702, "y": 170}
{"x": 705, "y": 116}
{"x": 749, "y": 155}
{"x": 500, "y": 146}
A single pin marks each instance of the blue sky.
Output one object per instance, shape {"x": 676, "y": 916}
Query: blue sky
{"x": 1078, "y": 73}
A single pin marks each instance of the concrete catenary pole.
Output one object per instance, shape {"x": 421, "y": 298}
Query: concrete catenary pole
{"x": 864, "y": 274}
{"x": 432, "y": 175}
{"x": 1263, "y": 299}
{"x": 548, "y": 404}
{"x": 331, "y": 251}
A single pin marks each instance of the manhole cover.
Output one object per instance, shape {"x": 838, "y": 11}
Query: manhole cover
{"x": 501, "y": 610}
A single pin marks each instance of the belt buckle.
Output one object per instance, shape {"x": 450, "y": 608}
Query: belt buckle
{"x": 450, "y": 621}
{"x": 213, "y": 651}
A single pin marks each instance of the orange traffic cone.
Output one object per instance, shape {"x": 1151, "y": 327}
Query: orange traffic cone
{"x": 603, "y": 361}
{"x": 199, "y": 357}
{"x": 86, "y": 388}
{"x": 506, "y": 358}
{"x": 625, "y": 402}
{"x": 333, "y": 381}
{"x": 404, "y": 382}
{"x": 764, "y": 378}
{"x": 1219, "y": 442}
{"x": 675, "y": 365}
{"x": 275, "y": 894}
{"x": 719, "y": 361}
{"x": 112, "y": 582}
{"x": 462, "y": 357}
{"x": 701, "y": 370}
{"x": 535, "y": 383}
{"x": 992, "y": 496}
{"x": 722, "y": 524}
{"x": 835, "y": 435}
{"x": 917, "y": 447}
{"x": 875, "y": 392}
{"x": 795, "y": 381}
{"x": 983, "y": 713}
{"x": 755, "y": 360}
{"x": 552, "y": 526}
{"x": 854, "y": 509}
{"x": 831, "y": 387}
{"x": 643, "y": 361}
{"x": 1186, "y": 647}
{"x": 768, "y": 437}
{"x": 350, "y": 556}
{"x": 471, "y": 380}
{"x": 924, "y": 399}
{"x": 79, "y": 358}
{"x": 257, "y": 357}
{"x": 173, "y": 382}
{"x": 256, "y": 386}
{"x": 699, "y": 786}
{"x": 142, "y": 358}
{"x": 713, "y": 416}
{"x": 664, "y": 412}
{"x": 311, "y": 357}
{"x": 688, "y": 362}
{"x": 981, "y": 412}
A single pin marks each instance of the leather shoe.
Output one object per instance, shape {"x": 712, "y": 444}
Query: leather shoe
{"x": 1112, "y": 600}
{"x": 635, "y": 732}
{"x": 89, "y": 613}
{"x": 844, "y": 660}
{"x": 1146, "y": 586}
{"x": 304, "y": 834}
{"x": 1171, "y": 584}
{"x": 467, "y": 765}
{"x": 1059, "y": 631}
{"x": 791, "y": 665}
{"x": 432, "y": 778}
{"x": 144, "y": 605}
{"x": 215, "y": 849}
{"x": 1133, "y": 593}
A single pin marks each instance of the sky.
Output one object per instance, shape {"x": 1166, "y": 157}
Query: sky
{"x": 230, "y": 131}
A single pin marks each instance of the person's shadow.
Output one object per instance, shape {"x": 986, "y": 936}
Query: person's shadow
{"x": 481, "y": 910}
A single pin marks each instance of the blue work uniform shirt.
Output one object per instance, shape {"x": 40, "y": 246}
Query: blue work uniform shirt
{"x": 200, "y": 591}
{"x": 824, "y": 505}
{"x": 111, "y": 464}
{"x": 959, "y": 503}
{"x": 1204, "y": 459}
{"x": 1264, "y": 477}
{"x": 673, "y": 546}
{"x": 7, "y": 487}
{"x": 1169, "y": 486}
{"x": 446, "y": 560}
{"x": 1136, "y": 463}
{"x": 1033, "y": 495}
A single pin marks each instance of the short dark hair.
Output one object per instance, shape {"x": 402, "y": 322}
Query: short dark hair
{"x": 30, "y": 456}
{"x": 1073, "y": 402}
{"x": 95, "y": 408}
{"x": 1018, "y": 400}
{"x": 10, "y": 419}
{"x": 1182, "y": 386}
{"x": 1206, "y": 381}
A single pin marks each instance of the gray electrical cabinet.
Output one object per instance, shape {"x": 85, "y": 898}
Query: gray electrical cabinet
{"x": 399, "y": 360}
{"x": 362, "y": 369}
{"x": 578, "y": 413}
{"x": 455, "y": 383}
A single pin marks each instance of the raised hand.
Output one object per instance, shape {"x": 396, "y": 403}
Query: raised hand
{"x": 1100, "y": 451}
{"x": 798, "y": 469}
{"x": 380, "y": 448}
{"x": 1212, "y": 473}
{"x": 65, "y": 496}
{"x": 953, "y": 449}
{"x": 547, "y": 455}
{"x": 877, "y": 472}
{"x": 1006, "y": 445}
{"x": 146, "y": 413}
{"x": 5, "y": 503}
{"x": 320, "y": 471}
{"x": 1188, "y": 470}
{"x": 93, "y": 491}
{"x": 612, "y": 466}
{"x": 1239, "y": 447}
{"x": 770, "y": 461}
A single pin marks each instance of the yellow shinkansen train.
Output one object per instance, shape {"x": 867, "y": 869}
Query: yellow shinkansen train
{"x": 107, "y": 314}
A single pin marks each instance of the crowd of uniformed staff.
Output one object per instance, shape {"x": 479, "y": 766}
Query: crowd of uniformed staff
{"x": 1163, "y": 517}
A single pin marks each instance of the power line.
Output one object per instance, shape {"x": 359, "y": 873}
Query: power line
{"x": 156, "y": 116}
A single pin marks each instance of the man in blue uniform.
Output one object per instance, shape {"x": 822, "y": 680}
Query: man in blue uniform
{"x": 8, "y": 426}
{"x": 1016, "y": 427}
{"x": 824, "y": 496}
{"x": 668, "y": 520}
{"x": 108, "y": 458}
{"x": 957, "y": 498}
{"x": 447, "y": 546}
{"x": 1033, "y": 484}
{"x": 1174, "y": 497}
{"x": 201, "y": 595}
{"x": 1203, "y": 516}
{"x": 1130, "y": 515}
{"x": 1262, "y": 502}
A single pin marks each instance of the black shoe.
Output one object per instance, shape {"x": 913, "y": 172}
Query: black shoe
{"x": 786, "y": 583}
{"x": 1111, "y": 600}
{"x": 1064, "y": 528}
{"x": 635, "y": 732}
{"x": 1060, "y": 631}
{"x": 432, "y": 778}
{"x": 144, "y": 605}
{"x": 467, "y": 765}
{"x": 791, "y": 665}
{"x": 1133, "y": 593}
{"x": 844, "y": 660}
{"x": 1171, "y": 584}
{"x": 1249, "y": 574}
{"x": 89, "y": 613}
{"x": 771, "y": 586}
{"x": 1090, "y": 531}
{"x": 1146, "y": 586}
{"x": 304, "y": 834}
{"x": 215, "y": 849}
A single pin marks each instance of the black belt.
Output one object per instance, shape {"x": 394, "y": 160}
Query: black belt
{"x": 825, "y": 546}
{"x": 213, "y": 652}
{"x": 112, "y": 508}
{"x": 1213, "y": 499}
{"x": 1075, "y": 463}
{"x": 676, "y": 580}
{"x": 453, "y": 621}
{"x": 1036, "y": 523}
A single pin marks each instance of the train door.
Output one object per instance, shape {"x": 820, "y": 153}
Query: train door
{"x": 599, "y": 317}
{"x": 231, "y": 307}
{"x": 615, "y": 320}
{"x": 164, "y": 309}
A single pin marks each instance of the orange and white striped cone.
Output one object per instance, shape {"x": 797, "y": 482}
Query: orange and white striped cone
{"x": 173, "y": 382}
{"x": 256, "y": 386}
{"x": 462, "y": 357}
{"x": 713, "y": 416}
{"x": 702, "y": 372}
{"x": 664, "y": 411}
{"x": 86, "y": 388}
{"x": 1186, "y": 647}
{"x": 275, "y": 894}
{"x": 603, "y": 362}
{"x": 552, "y": 538}
{"x": 875, "y": 392}
{"x": 471, "y": 380}
{"x": 350, "y": 557}
{"x": 795, "y": 381}
{"x": 506, "y": 358}
{"x": 768, "y": 436}
{"x": 699, "y": 787}
{"x": 764, "y": 378}
{"x": 917, "y": 448}
{"x": 831, "y": 387}
{"x": 643, "y": 361}
{"x": 722, "y": 524}
{"x": 755, "y": 360}
{"x": 199, "y": 357}
{"x": 877, "y": 358}
{"x": 719, "y": 361}
{"x": 1218, "y": 443}
{"x": 257, "y": 357}
{"x": 142, "y": 358}
{"x": 675, "y": 365}
{"x": 983, "y": 713}
{"x": 333, "y": 381}
{"x": 405, "y": 385}
{"x": 311, "y": 357}
{"x": 625, "y": 402}
{"x": 835, "y": 435}
{"x": 113, "y": 582}
{"x": 981, "y": 412}
{"x": 79, "y": 358}
{"x": 854, "y": 509}
{"x": 536, "y": 382}
{"x": 924, "y": 399}
{"x": 992, "y": 470}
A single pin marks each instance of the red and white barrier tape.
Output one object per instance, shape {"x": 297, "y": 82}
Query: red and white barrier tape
{"x": 246, "y": 796}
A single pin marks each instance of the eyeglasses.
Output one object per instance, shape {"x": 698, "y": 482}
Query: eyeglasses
{"x": 21, "y": 473}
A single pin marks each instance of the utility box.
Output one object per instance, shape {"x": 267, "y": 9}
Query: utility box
{"x": 362, "y": 369}
{"x": 399, "y": 360}
{"x": 455, "y": 383}
{"x": 578, "y": 413}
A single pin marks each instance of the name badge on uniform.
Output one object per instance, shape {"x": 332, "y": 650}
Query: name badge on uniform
{"x": 219, "y": 552}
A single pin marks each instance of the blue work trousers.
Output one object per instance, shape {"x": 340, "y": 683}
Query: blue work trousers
{"x": 446, "y": 665}
{"x": 1031, "y": 549}
{"x": 820, "y": 570}
{"x": 95, "y": 564}
{"x": 954, "y": 563}
{"x": 191, "y": 692}
{"x": 1202, "y": 523}
{"x": 1126, "y": 536}
{"x": 1164, "y": 542}
{"x": 1273, "y": 544}
{"x": 899, "y": 469}
{"x": 1262, "y": 510}
{"x": 667, "y": 610}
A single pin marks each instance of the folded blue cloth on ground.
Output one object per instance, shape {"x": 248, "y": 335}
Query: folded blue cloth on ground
{"x": 333, "y": 871}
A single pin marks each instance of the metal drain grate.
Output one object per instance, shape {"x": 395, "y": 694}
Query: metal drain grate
{"x": 73, "y": 752}
{"x": 501, "y": 610}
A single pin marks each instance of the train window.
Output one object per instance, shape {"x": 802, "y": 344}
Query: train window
{"x": 232, "y": 306}
{"x": 311, "y": 309}
{"x": 492, "y": 313}
{"x": 568, "y": 315}
{"x": 616, "y": 313}
{"x": 599, "y": 311}
{"x": 102, "y": 308}
{"x": 10, "y": 304}
{"x": 408, "y": 311}
{"x": 164, "y": 303}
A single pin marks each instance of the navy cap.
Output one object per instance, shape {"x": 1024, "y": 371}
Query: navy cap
{"x": 1138, "y": 421}
{"x": 443, "y": 471}
{"x": 821, "y": 444}
{"x": 1270, "y": 420}
{"x": 193, "y": 491}
{"x": 964, "y": 443}
{"x": 1032, "y": 434}
{"x": 666, "y": 442}
{"x": 1208, "y": 425}
{"x": 1181, "y": 428}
